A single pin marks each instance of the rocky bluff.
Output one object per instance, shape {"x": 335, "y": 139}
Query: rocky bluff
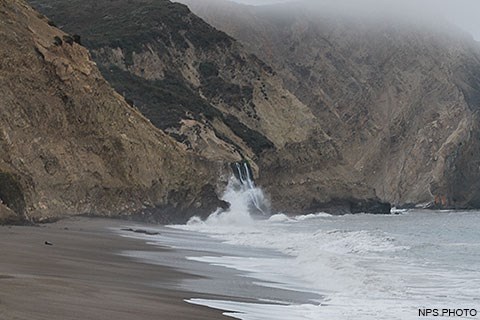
{"x": 334, "y": 113}
{"x": 397, "y": 96}
{"x": 70, "y": 144}
{"x": 204, "y": 89}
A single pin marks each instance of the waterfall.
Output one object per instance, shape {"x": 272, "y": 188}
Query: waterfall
{"x": 243, "y": 173}
{"x": 247, "y": 202}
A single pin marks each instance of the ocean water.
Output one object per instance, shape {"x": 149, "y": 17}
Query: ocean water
{"x": 332, "y": 267}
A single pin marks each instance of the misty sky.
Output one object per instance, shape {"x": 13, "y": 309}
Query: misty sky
{"x": 464, "y": 13}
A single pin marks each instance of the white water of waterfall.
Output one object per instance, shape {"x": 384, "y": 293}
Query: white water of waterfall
{"x": 247, "y": 185}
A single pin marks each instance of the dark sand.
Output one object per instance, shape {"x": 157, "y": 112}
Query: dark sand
{"x": 81, "y": 276}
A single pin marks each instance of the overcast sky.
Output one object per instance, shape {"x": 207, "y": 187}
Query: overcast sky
{"x": 464, "y": 13}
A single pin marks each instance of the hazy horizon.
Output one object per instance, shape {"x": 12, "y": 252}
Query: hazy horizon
{"x": 463, "y": 13}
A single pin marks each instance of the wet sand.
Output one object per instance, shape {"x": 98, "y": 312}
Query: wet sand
{"x": 82, "y": 276}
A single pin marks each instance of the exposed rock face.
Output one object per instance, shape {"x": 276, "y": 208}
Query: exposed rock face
{"x": 8, "y": 216}
{"x": 69, "y": 144}
{"x": 398, "y": 99}
{"x": 345, "y": 114}
{"x": 188, "y": 78}
{"x": 203, "y": 88}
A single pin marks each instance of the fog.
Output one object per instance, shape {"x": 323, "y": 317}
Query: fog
{"x": 463, "y": 13}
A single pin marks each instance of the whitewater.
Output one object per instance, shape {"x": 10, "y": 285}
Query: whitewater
{"x": 320, "y": 266}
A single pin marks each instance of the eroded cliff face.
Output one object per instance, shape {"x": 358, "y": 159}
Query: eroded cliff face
{"x": 397, "y": 98}
{"x": 69, "y": 144}
{"x": 204, "y": 89}
{"x": 343, "y": 115}
{"x": 193, "y": 81}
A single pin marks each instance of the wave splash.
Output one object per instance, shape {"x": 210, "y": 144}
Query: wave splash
{"x": 361, "y": 265}
{"x": 248, "y": 203}
{"x": 246, "y": 185}
{"x": 313, "y": 253}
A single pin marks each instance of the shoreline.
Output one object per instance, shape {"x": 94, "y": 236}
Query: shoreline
{"x": 83, "y": 276}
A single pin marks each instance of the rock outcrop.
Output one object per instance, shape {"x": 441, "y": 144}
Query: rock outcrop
{"x": 338, "y": 113}
{"x": 398, "y": 97}
{"x": 70, "y": 144}
{"x": 189, "y": 79}
{"x": 204, "y": 89}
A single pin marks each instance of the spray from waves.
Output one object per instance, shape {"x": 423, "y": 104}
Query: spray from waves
{"x": 281, "y": 217}
{"x": 247, "y": 202}
{"x": 312, "y": 254}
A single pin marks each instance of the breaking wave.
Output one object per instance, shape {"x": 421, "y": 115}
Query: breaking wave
{"x": 363, "y": 265}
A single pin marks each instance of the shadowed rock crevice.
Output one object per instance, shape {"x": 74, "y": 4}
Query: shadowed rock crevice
{"x": 11, "y": 193}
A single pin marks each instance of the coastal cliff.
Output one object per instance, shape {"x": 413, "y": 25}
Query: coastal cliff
{"x": 189, "y": 79}
{"x": 70, "y": 144}
{"x": 398, "y": 96}
{"x": 204, "y": 89}
{"x": 335, "y": 114}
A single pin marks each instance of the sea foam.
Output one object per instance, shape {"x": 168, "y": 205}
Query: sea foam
{"x": 364, "y": 266}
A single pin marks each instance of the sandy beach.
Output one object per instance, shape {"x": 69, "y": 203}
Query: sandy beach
{"x": 82, "y": 276}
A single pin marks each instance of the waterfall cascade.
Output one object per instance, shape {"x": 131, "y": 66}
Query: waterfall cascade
{"x": 247, "y": 202}
{"x": 243, "y": 173}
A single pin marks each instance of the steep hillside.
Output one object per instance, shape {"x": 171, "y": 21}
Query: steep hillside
{"x": 206, "y": 91}
{"x": 188, "y": 78}
{"x": 69, "y": 144}
{"x": 398, "y": 96}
